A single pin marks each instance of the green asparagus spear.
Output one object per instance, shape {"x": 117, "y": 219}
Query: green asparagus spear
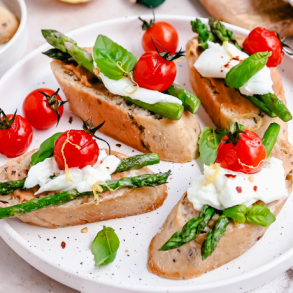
{"x": 270, "y": 137}
{"x": 257, "y": 101}
{"x": 190, "y": 230}
{"x": 130, "y": 163}
{"x": 64, "y": 197}
{"x": 59, "y": 55}
{"x": 138, "y": 162}
{"x": 167, "y": 110}
{"x": 67, "y": 45}
{"x": 204, "y": 35}
{"x": 190, "y": 101}
{"x": 214, "y": 236}
{"x": 10, "y": 186}
{"x": 276, "y": 106}
{"x": 221, "y": 33}
{"x": 270, "y": 105}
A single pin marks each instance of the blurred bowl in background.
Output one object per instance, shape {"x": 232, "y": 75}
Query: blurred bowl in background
{"x": 75, "y": 1}
{"x": 13, "y": 50}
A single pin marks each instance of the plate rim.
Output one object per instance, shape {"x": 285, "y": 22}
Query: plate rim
{"x": 9, "y": 231}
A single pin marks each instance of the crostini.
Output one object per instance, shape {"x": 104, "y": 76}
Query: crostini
{"x": 105, "y": 84}
{"x": 210, "y": 58}
{"x": 70, "y": 181}
{"x": 225, "y": 211}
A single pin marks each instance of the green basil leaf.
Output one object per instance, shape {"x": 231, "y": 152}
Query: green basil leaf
{"x": 236, "y": 213}
{"x": 241, "y": 73}
{"x": 105, "y": 246}
{"x": 260, "y": 215}
{"x": 219, "y": 134}
{"x": 209, "y": 141}
{"x": 204, "y": 35}
{"x": 46, "y": 150}
{"x": 107, "y": 53}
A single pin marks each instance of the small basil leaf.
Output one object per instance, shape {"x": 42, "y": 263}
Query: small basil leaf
{"x": 105, "y": 246}
{"x": 204, "y": 35}
{"x": 236, "y": 213}
{"x": 59, "y": 55}
{"x": 260, "y": 215}
{"x": 107, "y": 53}
{"x": 208, "y": 144}
{"x": 46, "y": 150}
{"x": 241, "y": 73}
{"x": 219, "y": 134}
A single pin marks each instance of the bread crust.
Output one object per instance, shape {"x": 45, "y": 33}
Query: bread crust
{"x": 186, "y": 261}
{"x": 116, "y": 204}
{"x": 173, "y": 140}
{"x": 221, "y": 102}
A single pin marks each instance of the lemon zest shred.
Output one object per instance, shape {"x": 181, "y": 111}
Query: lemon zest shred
{"x": 210, "y": 179}
{"x": 259, "y": 124}
{"x": 250, "y": 166}
{"x": 63, "y": 156}
{"x": 225, "y": 44}
{"x": 97, "y": 187}
{"x": 130, "y": 76}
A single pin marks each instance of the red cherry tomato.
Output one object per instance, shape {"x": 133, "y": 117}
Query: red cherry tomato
{"x": 87, "y": 154}
{"x": 154, "y": 72}
{"x": 37, "y": 111}
{"x": 15, "y": 140}
{"x": 162, "y": 32}
{"x": 248, "y": 151}
{"x": 261, "y": 40}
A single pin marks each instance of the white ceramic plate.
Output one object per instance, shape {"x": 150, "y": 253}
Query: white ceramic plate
{"x": 74, "y": 265}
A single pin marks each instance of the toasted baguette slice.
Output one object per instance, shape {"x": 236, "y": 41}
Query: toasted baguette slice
{"x": 222, "y": 102}
{"x": 172, "y": 140}
{"x": 117, "y": 204}
{"x": 186, "y": 261}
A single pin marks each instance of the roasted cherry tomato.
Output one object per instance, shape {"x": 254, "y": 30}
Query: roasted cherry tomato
{"x": 261, "y": 40}
{"x": 241, "y": 151}
{"x": 16, "y": 135}
{"x": 156, "y": 70}
{"x": 162, "y": 32}
{"x": 43, "y": 108}
{"x": 79, "y": 151}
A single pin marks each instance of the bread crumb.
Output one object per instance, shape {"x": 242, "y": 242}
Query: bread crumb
{"x": 84, "y": 230}
{"x": 126, "y": 250}
{"x": 251, "y": 179}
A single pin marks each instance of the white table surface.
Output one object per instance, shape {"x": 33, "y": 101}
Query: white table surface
{"x": 16, "y": 275}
